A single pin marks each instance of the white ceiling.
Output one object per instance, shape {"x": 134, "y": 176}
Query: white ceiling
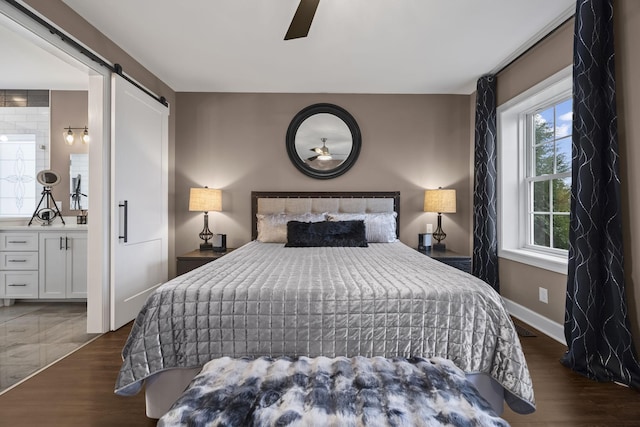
{"x": 27, "y": 62}
{"x": 354, "y": 46}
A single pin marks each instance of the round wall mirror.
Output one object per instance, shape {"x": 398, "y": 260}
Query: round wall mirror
{"x": 323, "y": 141}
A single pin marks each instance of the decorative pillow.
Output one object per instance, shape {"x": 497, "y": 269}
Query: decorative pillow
{"x": 272, "y": 228}
{"x": 380, "y": 226}
{"x": 326, "y": 233}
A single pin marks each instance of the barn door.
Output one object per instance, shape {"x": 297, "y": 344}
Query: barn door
{"x": 139, "y": 205}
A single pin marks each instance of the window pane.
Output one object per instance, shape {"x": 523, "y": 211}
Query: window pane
{"x": 564, "y": 117}
{"x": 563, "y": 155}
{"x": 17, "y": 175}
{"x": 561, "y": 195}
{"x": 544, "y": 159}
{"x": 541, "y": 196}
{"x": 561, "y": 231}
{"x": 541, "y": 230}
{"x": 544, "y": 124}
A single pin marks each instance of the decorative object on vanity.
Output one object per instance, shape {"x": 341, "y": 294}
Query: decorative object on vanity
{"x": 442, "y": 200}
{"x": 47, "y": 213}
{"x": 323, "y": 141}
{"x": 205, "y": 200}
{"x": 70, "y": 136}
{"x": 82, "y": 218}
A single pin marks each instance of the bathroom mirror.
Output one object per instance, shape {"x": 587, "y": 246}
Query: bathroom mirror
{"x": 323, "y": 141}
{"x": 79, "y": 181}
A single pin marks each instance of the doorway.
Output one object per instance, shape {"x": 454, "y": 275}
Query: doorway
{"x": 64, "y": 62}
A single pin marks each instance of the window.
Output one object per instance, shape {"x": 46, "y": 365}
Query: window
{"x": 24, "y": 151}
{"x": 548, "y": 180}
{"x": 17, "y": 175}
{"x": 534, "y": 174}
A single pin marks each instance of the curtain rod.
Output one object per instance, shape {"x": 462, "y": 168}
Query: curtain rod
{"x": 115, "y": 68}
{"x": 546, "y": 36}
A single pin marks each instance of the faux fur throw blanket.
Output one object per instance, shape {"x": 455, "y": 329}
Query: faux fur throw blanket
{"x": 322, "y": 391}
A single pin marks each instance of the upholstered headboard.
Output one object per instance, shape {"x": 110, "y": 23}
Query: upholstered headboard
{"x": 270, "y": 202}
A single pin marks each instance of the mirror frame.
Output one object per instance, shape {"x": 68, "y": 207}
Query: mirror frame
{"x": 44, "y": 175}
{"x": 340, "y": 113}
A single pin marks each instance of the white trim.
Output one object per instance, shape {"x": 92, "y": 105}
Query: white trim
{"x": 546, "y": 326}
{"x": 512, "y": 202}
{"x": 535, "y": 259}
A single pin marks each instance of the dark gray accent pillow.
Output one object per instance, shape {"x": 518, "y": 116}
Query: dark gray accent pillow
{"x": 326, "y": 233}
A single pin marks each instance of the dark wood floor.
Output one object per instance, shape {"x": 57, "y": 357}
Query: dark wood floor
{"x": 78, "y": 391}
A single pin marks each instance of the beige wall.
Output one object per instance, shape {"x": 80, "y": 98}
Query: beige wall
{"x": 627, "y": 36}
{"x": 68, "y": 108}
{"x": 236, "y": 142}
{"x": 520, "y": 282}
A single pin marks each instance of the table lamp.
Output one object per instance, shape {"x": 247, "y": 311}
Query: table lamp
{"x": 205, "y": 200}
{"x": 441, "y": 201}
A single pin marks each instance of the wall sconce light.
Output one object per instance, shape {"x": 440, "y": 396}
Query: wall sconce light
{"x": 205, "y": 200}
{"x": 70, "y": 137}
{"x": 440, "y": 201}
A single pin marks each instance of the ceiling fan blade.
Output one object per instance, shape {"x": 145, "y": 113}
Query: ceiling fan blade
{"x": 302, "y": 19}
{"x": 312, "y": 158}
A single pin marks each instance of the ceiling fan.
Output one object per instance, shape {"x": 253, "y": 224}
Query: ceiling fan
{"x": 302, "y": 19}
{"x": 322, "y": 153}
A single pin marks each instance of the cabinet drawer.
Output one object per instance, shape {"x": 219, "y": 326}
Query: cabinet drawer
{"x": 19, "y": 284}
{"x": 18, "y": 260}
{"x": 18, "y": 241}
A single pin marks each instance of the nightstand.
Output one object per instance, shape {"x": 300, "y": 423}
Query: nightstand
{"x": 197, "y": 258}
{"x": 454, "y": 259}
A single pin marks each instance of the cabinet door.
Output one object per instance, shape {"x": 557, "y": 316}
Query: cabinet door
{"x": 53, "y": 265}
{"x": 19, "y": 284}
{"x": 76, "y": 245}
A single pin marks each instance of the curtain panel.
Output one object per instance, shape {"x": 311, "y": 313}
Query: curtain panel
{"x": 485, "y": 204}
{"x": 596, "y": 327}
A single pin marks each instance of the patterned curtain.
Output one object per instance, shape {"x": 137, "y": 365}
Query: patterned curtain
{"x": 485, "y": 205}
{"x": 596, "y": 320}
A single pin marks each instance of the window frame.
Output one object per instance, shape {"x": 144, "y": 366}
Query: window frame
{"x": 514, "y": 141}
{"x": 531, "y": 177}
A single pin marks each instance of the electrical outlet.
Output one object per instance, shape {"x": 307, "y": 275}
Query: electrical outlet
{"x": 543, "y": 295}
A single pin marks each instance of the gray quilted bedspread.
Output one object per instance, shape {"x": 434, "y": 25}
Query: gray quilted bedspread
{"x": 385, "y": 300}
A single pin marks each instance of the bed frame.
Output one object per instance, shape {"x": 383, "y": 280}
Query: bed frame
{"x": 319, "y": 202}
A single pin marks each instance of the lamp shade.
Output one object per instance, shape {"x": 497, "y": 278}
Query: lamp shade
{"x": 441, "y": 200}
{"x": 205, "y": 200}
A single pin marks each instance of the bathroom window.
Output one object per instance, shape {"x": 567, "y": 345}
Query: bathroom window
{"x": 17, "y": 175}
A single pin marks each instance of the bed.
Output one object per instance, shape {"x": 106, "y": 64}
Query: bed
{"x": 381, "y": 300}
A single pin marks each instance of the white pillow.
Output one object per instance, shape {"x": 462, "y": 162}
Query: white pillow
{"x": 272, "y": 228}
{"x": 380, "y": 227}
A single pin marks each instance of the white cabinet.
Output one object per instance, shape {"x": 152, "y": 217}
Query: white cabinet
{"x": 18, "y": 265}
{"x": 63, "y": 265}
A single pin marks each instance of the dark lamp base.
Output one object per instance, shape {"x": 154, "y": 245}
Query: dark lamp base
{"x": 439, "y": 247}
{"x": 206, "y": 247}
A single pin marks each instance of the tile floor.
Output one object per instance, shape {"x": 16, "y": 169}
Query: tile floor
{"x": 34, "y": 335}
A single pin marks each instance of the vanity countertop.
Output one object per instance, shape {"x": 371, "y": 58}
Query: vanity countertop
{"x": 57, "y": 225}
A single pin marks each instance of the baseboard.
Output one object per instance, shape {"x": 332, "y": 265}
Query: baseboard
{"x": 546, "y": 326}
